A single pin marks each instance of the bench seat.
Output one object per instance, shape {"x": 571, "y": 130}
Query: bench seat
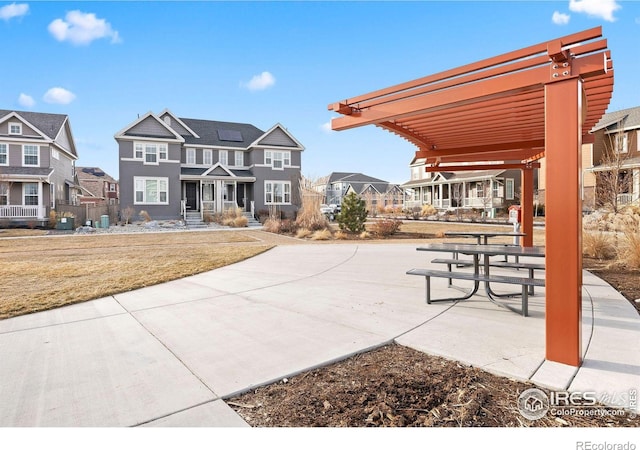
{"x": 478, "y": 277}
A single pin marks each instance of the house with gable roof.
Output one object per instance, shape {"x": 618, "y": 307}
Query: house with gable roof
{"x": 480, "y": 189}
{"x": 37, "y": 165}
{"x": 176, "y": 167}
{"x": 97, "y": 187}
{"x": 340, "y": 184}
{"x": 616, "y": 147}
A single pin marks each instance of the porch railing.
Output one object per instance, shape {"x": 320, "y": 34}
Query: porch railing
{"x": 626, "y": 199}
{"x": 22, "y": 212}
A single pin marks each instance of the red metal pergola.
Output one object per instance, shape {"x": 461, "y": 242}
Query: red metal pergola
{"x": 512, "y": 110}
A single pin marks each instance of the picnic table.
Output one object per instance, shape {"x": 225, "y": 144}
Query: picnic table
{"x": 486, "y": 251}
{"x": 483, "y": 236}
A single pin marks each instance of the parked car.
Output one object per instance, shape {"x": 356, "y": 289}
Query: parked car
{"x": 336, "y": 208}
{"x": 326, "y": 209}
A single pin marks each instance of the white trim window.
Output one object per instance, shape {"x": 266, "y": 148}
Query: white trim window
{"x": 15, "y": 128}
{"x": 191, "y": 156}
{"x": 277, "y": 160}
{"x": 239, "y": 158}
{"x": 30, "y": 194}
{"x": 207, "y": 157}
{"x": 4, "y": 194}
{"x": 509, "y": 188}
{"x": 151, "y": 191}
{"x": 30, "y": 155}
{"x": 223, "y": 157}
{"x": 4, "y": 155}
{"x": 277, "y": 192}
{"x": 150, "y": 152}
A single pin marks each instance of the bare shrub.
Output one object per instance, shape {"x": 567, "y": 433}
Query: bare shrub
{"x": 288, "y": 226}
{"x": 127, "y": 213}
{"x": 428, "y": 210}
{"x": 598, "y": 245}
{"x": 273, "y": 225}
{"x": 385, "y": 227}
{"x": 52, "y": 218}
{"x": 321, "y": 235}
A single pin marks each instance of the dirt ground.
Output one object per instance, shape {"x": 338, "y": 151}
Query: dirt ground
{"x": 396, "y": 386}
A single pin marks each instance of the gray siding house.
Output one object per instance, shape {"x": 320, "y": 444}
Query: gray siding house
{"x": 37, "y": 165}
{"x": 171, "y": 167}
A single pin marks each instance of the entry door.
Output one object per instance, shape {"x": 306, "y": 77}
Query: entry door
{"x": 191, "y": 192}
{"x": 240, "y": 195}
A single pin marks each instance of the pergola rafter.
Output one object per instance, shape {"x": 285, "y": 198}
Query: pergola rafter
{"x": 512, "y": 109}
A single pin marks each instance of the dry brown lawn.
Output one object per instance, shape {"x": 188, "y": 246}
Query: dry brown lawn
{"x": 41, "y": 273}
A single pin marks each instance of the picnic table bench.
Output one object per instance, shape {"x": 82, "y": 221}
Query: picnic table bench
{"x": 486, "y": 251}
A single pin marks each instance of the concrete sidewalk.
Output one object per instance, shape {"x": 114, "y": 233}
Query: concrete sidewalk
{"x": 166, "y": 355}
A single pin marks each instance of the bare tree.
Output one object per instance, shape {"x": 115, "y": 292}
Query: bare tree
{"x": 456, "y": 194}
{"x": 487, "y": 196}
{"x": 614, "y": 179}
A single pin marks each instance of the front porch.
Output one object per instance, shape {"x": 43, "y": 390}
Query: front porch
{"x": 209, "y": 197}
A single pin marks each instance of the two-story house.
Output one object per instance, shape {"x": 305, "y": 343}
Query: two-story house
{"x": 612, "y": 162}
{"x": 97, "y": 187}
{"x": 479, "y": 189}
{"x": 171, "y": 166}
{"x": 37, "y": 165}
{"x": 378, "y": 192}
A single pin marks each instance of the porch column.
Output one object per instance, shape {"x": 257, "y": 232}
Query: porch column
{"x": 526, "y": 206}
{"x": 40, "y": 206}
{"x": 563, "y": 235}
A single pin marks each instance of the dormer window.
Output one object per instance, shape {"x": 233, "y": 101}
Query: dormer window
{"x": 15, "y": 128}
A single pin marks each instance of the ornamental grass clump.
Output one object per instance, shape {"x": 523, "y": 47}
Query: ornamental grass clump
{"x": 309, "y": 216}
{"x": 629, "y": 249}
{"x": 598, "y": 245}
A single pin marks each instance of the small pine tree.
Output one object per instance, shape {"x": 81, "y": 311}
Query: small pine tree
{"x": 353, "y": 214}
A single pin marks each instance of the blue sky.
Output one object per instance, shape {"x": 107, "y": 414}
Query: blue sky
{"x": 105, "y": 63}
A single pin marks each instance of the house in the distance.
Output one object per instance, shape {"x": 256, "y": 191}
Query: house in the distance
{"x": 479, "y": 189}
{"x": 97, "y": 187}
{"x": 377, "y": 193}
{"x": 173, "y": 167}
{"x": 612, "y": 162}
{"x": 37, "y": 165}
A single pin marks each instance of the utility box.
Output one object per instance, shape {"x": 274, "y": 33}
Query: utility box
{"x": 65, "y": 223}
{"x": 515, "y": 215}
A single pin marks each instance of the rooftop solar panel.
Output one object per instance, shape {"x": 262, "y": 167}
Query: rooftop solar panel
{"x": 230, "y": 135}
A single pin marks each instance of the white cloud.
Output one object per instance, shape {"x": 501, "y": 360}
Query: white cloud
{"x": 13, "y": 10}
{"x": 597, "y": 8}
{"x": 560, "y": 18}
{"x": 326, "y": 127}
{"x": 82, "y": 28}
{"x": 260, "y": 82}
{"x": 26, "y": 100}
{"x": 59, "y": 95}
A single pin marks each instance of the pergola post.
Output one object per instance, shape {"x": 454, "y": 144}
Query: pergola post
{"x": 526, "y": 206}
{"x": 563, "y": 238}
